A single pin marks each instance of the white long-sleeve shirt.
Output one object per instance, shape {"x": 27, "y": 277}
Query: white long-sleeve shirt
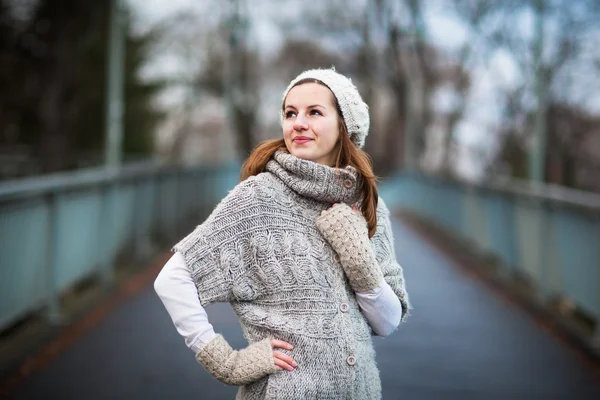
{"x": 175, "y": 287}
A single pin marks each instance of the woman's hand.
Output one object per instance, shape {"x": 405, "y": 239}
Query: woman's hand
{"x": 282, "y": 361}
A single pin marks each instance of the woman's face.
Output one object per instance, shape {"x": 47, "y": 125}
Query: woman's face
{"x": 311, "y": 123}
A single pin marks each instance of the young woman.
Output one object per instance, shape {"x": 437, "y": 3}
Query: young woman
{"x": 303, "y": 251}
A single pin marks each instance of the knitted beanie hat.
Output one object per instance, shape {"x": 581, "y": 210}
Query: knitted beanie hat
{"x": 354, "y": 110}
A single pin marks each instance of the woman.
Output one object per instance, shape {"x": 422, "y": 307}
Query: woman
{"x": 302, "y": 249}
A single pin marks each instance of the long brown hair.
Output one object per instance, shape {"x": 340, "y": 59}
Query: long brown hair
{"x": 348, "y": 154}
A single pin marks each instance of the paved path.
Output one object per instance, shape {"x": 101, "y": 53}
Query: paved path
{"x": 461, "y": 343}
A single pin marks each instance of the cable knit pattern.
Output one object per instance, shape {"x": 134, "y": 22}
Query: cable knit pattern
{"x": 315, "y": 181}
{"x": 261, "y": 251}
{"x": 237, "y": 367}
{"x": 347, "y": 232}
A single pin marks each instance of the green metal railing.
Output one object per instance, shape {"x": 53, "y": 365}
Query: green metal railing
{"x": 60, "y": 229}
{"x": 549, "y": 235}
{"x": 57, "y": 230}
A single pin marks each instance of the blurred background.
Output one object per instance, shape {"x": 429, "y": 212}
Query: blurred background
{"x": 459, "y": 88}
{"x": 123, "y": 123}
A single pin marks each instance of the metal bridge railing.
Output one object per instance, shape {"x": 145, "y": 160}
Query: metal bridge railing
{"x": 548, "y": 234}
{"x": 57, "y": 230}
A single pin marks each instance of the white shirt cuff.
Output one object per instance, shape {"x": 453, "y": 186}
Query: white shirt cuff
{"x": 381, "y": 307}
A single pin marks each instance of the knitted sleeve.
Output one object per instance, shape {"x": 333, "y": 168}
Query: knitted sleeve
{"x": 214, "y": 251}
{"x": 383, "y": 246}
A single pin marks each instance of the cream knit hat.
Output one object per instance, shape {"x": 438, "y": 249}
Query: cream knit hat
{"x": 354, "y": 110}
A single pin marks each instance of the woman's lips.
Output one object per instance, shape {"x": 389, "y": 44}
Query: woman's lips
{"x": 302, "y": 140}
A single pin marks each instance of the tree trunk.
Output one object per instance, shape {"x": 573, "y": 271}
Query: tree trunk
{"x": 245, "y": 107}
{"x": 54, "y": 145}
{"x": 537, "y": 153}
{"x": 395, "y": 139}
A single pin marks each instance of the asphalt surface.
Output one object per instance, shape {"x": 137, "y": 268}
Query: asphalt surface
{"x": 462, "y": 342}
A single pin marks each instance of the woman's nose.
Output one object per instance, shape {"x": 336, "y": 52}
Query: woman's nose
{"x": 300, "y": 123}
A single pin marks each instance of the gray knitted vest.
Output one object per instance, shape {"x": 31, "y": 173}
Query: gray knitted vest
{"x": 260, "y": 250}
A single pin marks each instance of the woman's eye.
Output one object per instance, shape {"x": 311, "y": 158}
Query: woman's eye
{"x": 289, "y": 114}
{"x": 315, "y": 112}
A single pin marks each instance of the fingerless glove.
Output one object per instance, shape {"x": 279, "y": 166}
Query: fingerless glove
{"x": 348, "y": 234}
{"x": 237, "y": 367}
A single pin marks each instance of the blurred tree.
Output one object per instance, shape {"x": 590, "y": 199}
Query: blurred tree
{"x": 418, "y": 65}
{"x": 573, "y": 146}
{"x": 475, "y": 15}
{"x": 56, "y": 83}
{"x": 234, "y": 74}
{"x": 511, "y": 157}
{"x": 141, "y": 118}
{"x": 573, "y": 143}
{"x": 547, "y": 40}
{"x": 297, "y": 55}
{"x": 214, "y": 58}
{"x": 184, "y": 41}
{"x": 384, "y": 44}
{"x": 410, "y": 66}
{"x": 241, "y": 80}
{"x": 567, "y": 128}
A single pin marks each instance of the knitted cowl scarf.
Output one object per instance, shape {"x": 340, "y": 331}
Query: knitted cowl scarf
{"x": 260, "y": 251}
{"x": 316, "y": 181}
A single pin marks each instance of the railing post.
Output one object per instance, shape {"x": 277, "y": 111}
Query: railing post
{"x": 174, "y": 211}
{"x": 596, "y": 338}
{"x": 106, "y": 265}
{"x": 538, "y": 240}
{"x": 155, "y": 209}
{"x": 178, "y": 204}
{"x": 466, "y": 200}
{"x": 53, "y": 312}
{"x": 546, "y": 249}
{"x": 470, "y": 211}
{"x": 506, "y": 212}
{"x": 142, "y": 209}
{"x": 167, "y": 205}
